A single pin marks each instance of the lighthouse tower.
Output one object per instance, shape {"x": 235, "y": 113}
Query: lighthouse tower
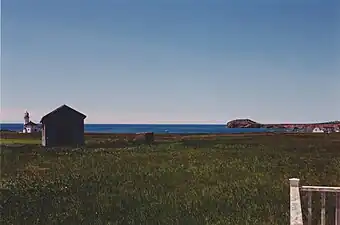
{"x": 26, "y": 118}
{"x": 29, "y": 126}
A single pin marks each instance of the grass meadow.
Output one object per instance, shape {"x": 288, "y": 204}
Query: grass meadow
{"x": 201, "y": 179}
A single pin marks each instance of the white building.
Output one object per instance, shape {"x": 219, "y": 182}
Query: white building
{"x": 29, "y": 126}
{"x": 317, "y": 130}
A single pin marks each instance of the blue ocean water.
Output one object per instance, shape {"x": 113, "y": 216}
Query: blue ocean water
{"x": 156, "y": 128}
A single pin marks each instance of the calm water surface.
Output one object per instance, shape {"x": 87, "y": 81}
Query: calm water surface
{"x": 156, "y": 128}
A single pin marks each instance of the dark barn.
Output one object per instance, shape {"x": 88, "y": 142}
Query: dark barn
{"x": 63, "y": 126}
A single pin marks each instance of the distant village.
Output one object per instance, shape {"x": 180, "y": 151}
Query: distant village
{"x": 321, "y": 129}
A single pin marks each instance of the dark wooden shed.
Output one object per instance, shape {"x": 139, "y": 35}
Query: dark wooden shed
{"x": 63, "y": 126}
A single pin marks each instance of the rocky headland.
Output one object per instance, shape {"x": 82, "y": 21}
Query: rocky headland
{"x": 247, "y": 123}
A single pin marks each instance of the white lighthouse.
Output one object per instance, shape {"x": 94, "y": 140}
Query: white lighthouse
{"x": 26, "y": 118}
{"x": 29, "y": 126}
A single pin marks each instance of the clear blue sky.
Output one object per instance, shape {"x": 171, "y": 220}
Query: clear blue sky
{"x": 176, "y": 61}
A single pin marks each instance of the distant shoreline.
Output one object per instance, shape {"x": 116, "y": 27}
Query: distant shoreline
{"x": 153, "y": 124}
{"x": 248, "y": 123}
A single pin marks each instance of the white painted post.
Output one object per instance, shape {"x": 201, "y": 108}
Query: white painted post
{"x": 337, "y": 209}
{"x": 323, "y": 208}
{"x": 309, "y": 193}
{"x": 295, "y": 202}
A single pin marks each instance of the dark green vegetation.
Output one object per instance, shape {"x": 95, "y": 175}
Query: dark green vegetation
{"x": 179, "y": 180}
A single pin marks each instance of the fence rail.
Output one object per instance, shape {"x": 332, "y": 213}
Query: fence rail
{"x": 295, "y": 202}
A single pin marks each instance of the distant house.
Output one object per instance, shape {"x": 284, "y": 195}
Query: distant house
{"x": 63, "y": 126}
{"x": 308, "y": 130}
{"x": 317, "y": 130}
{"x": 296, "y": 130}
{"x": 29, "y": 126}
{"x": 329, "y": 129}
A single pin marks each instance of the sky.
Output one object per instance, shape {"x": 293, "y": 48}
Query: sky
{"x": 178, "y": 61}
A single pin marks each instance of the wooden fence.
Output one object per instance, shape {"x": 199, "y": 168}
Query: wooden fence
{"x": 296, "y": 216}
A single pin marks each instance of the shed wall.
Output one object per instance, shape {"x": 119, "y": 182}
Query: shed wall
{"x": 56, "y": 129}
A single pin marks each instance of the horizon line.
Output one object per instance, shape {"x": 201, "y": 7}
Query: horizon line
{"x": 136, "y": 123}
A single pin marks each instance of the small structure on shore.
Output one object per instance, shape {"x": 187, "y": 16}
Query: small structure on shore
{"x": 29, "y": 126}
{"x": 145, "y": 137}
{"x": 63, "y": 126}
{"x": 317, "y": 130}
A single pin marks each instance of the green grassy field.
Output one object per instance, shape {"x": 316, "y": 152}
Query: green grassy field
{"x": 19, "y": 141}
{"x": 234, "y": 179}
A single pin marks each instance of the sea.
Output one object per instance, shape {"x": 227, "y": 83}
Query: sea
{"x": 156, "y": 128}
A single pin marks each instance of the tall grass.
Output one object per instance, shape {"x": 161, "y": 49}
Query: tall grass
{"x": 220, "y": 180}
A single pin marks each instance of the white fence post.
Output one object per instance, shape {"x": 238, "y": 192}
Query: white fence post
{"x": 295, "y": 203}
{"x": 337, "y": 209}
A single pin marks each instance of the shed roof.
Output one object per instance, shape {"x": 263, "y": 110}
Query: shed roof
{"x": 61, "y": 109}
